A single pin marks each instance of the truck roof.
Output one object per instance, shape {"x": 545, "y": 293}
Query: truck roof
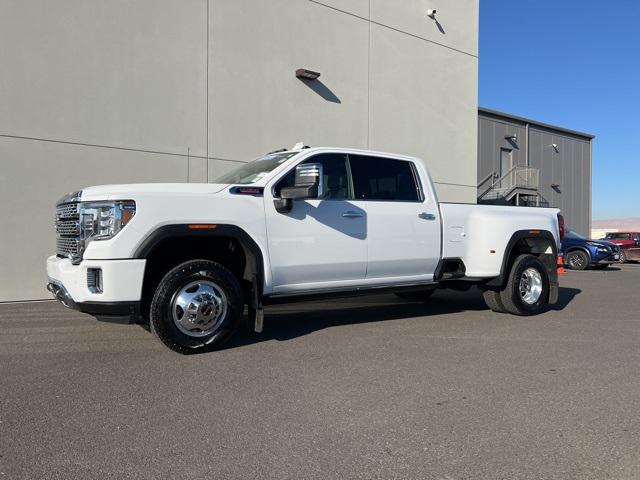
{"x": 358, "y": 151}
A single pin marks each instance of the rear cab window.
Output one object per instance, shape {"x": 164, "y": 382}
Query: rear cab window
{"x": 384, "y": 179}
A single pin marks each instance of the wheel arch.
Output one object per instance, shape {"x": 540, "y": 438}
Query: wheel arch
{"x": 581, "y": 249}
{"x": 540, "y": 243}
{"x": 253, "y": 265}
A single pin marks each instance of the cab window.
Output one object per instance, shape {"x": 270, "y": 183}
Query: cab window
{"x": 378, "y": 178}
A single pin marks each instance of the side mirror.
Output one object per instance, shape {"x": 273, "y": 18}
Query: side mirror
{"x": 308, "y": 185}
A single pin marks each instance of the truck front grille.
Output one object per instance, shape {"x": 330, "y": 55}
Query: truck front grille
{"x": 68, "y": 229}
{"x": 67, "y": 210}
{"x": 66, "y": 246}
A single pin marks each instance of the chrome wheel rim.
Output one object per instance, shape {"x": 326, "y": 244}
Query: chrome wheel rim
{"x": 530, "y": 286}
{"x": 198, "y": 308}
{"x": 576, "y": 260}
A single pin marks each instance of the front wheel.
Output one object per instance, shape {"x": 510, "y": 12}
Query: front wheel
{"x": 197, "y": 306}
{"x": 577, "y": 260}
{"x": 527, "y": 290}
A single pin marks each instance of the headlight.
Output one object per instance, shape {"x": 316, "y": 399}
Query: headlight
{"x": 599, "y": 247}
{"x": 103, "y": 220}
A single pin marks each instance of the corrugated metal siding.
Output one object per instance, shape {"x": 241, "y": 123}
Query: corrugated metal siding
{"x": 491, "y": 138}
{"x": 569, "y": 167}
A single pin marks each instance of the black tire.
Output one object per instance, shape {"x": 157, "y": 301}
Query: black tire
{"x": 511, "y": 297}
{"x": 577, "y": 260}
{"x": 417, "y": 296}
{"x": 161, "y": 316}
{"x": 493, "y": 300}
{"x": 623, "y": 256}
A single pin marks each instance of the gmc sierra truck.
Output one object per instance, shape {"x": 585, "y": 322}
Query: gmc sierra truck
{"x": 294, "y": 224}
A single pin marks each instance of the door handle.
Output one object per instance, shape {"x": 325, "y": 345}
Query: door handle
{"x": 351, "y": 214}
{"x": 427, "y": 216}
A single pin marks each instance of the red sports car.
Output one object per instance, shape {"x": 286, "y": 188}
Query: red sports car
{"x": 629, "y": 243}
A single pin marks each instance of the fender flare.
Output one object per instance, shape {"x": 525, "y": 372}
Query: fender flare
{"x": 549, "y": 260}
{"x": 253, "y": 253}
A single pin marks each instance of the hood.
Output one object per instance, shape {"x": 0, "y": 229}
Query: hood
{"x": 599, "y": 243}
{"x": 605, "y": 243}
{"x": 125, "y": 191}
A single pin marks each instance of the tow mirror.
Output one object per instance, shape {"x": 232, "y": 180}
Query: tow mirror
{"x": 308, "y": 185}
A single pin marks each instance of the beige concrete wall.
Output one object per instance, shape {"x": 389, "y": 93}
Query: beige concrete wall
{"x": 40, "y": 173}
{"x": 96, "y": 92}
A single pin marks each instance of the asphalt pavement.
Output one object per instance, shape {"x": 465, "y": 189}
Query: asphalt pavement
{"x": 372, "y": 387}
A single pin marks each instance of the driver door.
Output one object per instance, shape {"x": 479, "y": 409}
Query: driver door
{"x": 321, "y": 243}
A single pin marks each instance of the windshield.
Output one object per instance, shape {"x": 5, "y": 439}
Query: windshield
{"x": 617, "y": 236}
{"x": 255, "y": 171}
{"x": 575, "y": 236}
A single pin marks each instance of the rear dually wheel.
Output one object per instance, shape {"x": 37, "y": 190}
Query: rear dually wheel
{"x": 527, "y": 289}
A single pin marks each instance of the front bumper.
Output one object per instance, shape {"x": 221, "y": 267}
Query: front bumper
{"x": 608, "y": 260}
{"x": 121, "y": 285}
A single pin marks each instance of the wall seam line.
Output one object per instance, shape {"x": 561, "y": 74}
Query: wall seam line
{"x": 394, "y": 28}
{"x": 112, "y": 147}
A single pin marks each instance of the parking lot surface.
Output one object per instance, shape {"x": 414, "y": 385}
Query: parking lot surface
{"x": 372, "y": 387}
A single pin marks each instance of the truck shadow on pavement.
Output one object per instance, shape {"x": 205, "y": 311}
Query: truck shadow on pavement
{"x": 285, "y": 322}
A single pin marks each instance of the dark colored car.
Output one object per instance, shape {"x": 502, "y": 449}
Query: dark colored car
{"x": 629, "y": 243}
{"x": 580, "y": 253}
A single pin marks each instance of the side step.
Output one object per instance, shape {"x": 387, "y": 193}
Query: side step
{"x": 450, "y": 269}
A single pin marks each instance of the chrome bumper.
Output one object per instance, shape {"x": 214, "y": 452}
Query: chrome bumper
{"x": 60, "y": 293}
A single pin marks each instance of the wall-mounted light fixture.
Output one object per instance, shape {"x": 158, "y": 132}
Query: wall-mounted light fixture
{"x": 431, "y": 13}
{"x": 511, "y": 136}
{"x": 555, "y": 147}
{"x": 307, "y": 74}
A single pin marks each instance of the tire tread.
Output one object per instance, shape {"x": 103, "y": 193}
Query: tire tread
{"x": 165, "y": 290}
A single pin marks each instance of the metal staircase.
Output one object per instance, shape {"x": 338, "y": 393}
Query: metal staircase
{"x": 519, "y": 186}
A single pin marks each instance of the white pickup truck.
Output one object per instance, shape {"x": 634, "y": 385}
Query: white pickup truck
{"x": 292, "y": 224}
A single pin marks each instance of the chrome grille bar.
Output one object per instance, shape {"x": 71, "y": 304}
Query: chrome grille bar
{"x": 70, "y": 228}
{"x": 67, "y": 221}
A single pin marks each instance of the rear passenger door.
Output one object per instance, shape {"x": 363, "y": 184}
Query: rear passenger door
{"x": 403, "y": 225}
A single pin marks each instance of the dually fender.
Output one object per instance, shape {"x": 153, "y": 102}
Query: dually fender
{"x": 253, "y": 252}
{"x": 548, "y": 256}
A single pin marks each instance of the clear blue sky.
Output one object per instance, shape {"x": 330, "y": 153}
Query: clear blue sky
{"x": 575, "y": 64}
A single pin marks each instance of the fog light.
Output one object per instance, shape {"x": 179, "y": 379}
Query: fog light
{"x": 94, "y": 280}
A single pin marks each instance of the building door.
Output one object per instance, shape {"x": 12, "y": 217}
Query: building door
{"x": 506, "y": 160}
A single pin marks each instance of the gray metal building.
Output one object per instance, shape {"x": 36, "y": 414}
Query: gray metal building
{"x": 97, "y": 92}
{"x": 526, "y": 162}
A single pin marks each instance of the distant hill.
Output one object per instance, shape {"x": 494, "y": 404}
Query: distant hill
{"x": 632, "y": 223}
